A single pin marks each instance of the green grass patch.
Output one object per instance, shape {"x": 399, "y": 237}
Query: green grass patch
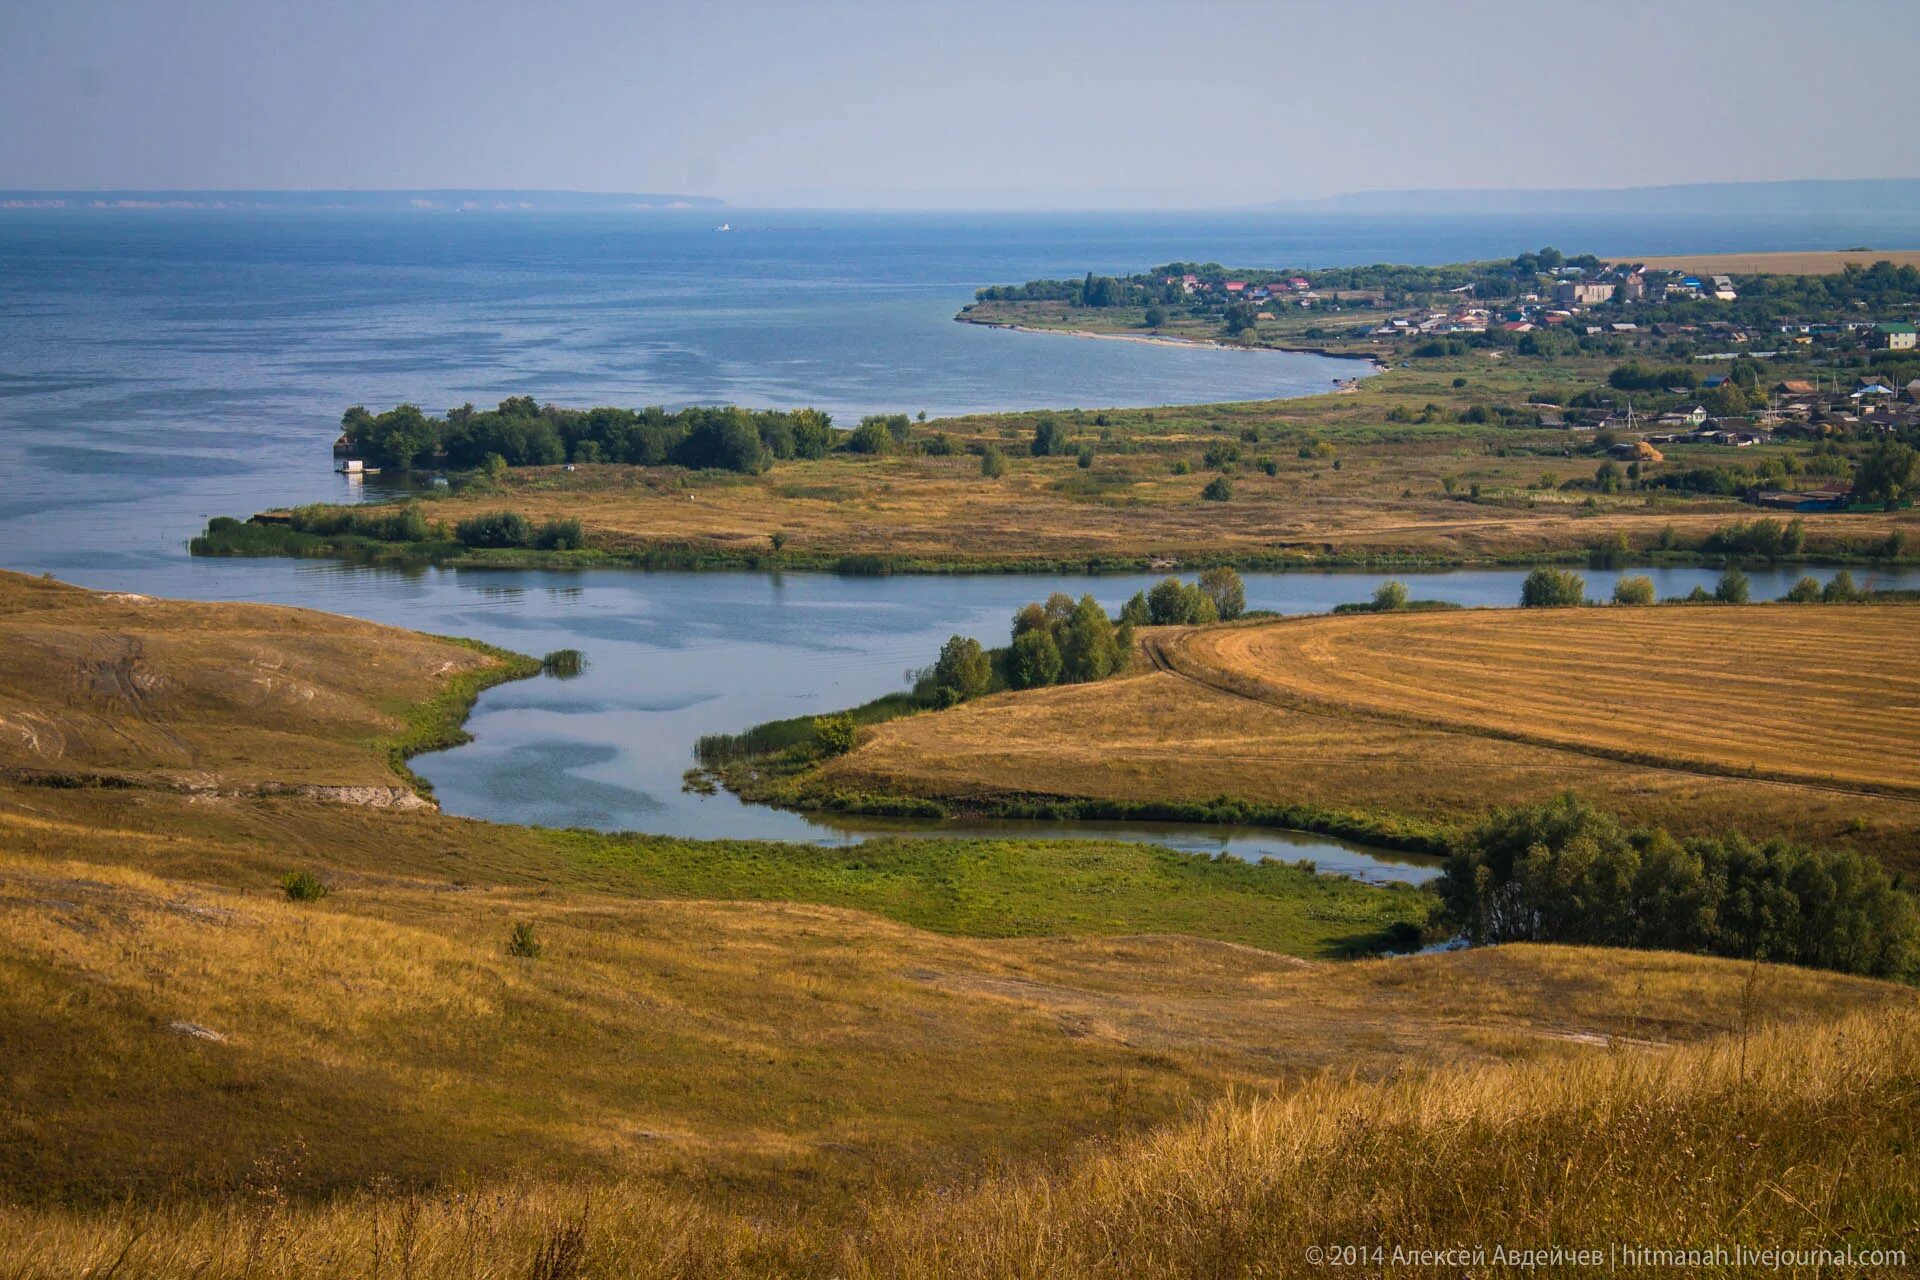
{"x": 1025, "y": 888}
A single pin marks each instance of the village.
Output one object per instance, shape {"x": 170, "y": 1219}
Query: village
{"x": 1702, "y": 367}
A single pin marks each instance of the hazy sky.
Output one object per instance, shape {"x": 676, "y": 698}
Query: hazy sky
{"x": 987, "y": 103}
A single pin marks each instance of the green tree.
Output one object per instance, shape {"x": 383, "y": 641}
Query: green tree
{"x": 1886, "y": 473}
{"x": 1553, "y": 589}
{"x": 1034, "y": 660}
{"x": 1087, "y": 650}
{"x": 962, "y": 671}
{"x": 993, "y": 463}
{"x": 1390, "y": 596}
{"x": 1636, "y": 589}
{"x": 402, "y": 437}
{"x": 1606, "y": 477}
{"x": 1219, "y": 489}
{"x": 1228, "y": 593}
{"x": 1135, "y": 613}
{"x": 1733, "y": 587}
{"x": 1839, "y": 589}
{"x": 1032, "y": 617}
{"x": 1173, "y": 603}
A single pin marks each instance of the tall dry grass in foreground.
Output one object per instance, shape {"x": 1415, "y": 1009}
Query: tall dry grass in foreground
{"x": 1798, "y": 1136}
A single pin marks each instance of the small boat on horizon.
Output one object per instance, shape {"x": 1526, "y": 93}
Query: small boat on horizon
{"x": 725, "y": 226}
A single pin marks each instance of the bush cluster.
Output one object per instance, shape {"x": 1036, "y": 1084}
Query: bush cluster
{"x": 511, "y": 529}
{"x": 387, "y": 523}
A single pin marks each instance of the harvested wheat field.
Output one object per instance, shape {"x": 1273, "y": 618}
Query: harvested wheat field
{"x": 1819, "y": 695}
{"x": 1688, "y": 718}
{"x": 1807, "y": 263}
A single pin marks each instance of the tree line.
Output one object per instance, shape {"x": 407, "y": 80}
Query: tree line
{"x": 523, "y": 433}
{"x": 1566, "y": 872}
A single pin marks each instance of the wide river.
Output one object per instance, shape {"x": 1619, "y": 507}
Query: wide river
{"x": 160, "y": 368}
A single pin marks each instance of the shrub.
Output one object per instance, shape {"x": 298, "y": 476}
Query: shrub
{"x": 1733, "y": 587}
{"x": 993, "y": 463}
{"x": 522, "y": 942}
{"x": 560, "y": 535}
{"x": 1049, "y": 437}
{"x": 495, "y": 529}
{"x": 1390, "y": 596}
{"x": 1634, "y": 590}
{"x": 564, "y": 664}
{"x": 835, "y": 735}
{"x": 1219, "y": 489}
{"x": 872, "y": 436}
{"x": 1805, "y": 591}
{"x": 1553, "y": 589}
{"x": 1839, "y": 589}
{"x": 1085, "y": 456}
{"x": 303, "y": 886}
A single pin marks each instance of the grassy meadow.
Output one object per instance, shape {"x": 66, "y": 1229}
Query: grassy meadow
{"x": 1768, "y": 719}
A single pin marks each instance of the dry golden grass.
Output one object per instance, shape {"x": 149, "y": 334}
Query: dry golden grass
{"x": 788, "y": 1052}
{"x": 1814, "y": 263}
{"x": 1387, "y": 499}
{"x": 1795, "y": 1136}
{"x": 205, "y": 695}
{"x": 1431, "y": 734}
{"x": 1819, "y": 695}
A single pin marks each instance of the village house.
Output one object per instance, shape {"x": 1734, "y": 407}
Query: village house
{"x": 1895, "y": 335}
{"x": 1582, "y": 293}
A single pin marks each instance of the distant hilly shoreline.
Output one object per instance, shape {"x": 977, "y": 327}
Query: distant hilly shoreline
{"x": 425, "y": 199}
{"x": 1813, "y": 196}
